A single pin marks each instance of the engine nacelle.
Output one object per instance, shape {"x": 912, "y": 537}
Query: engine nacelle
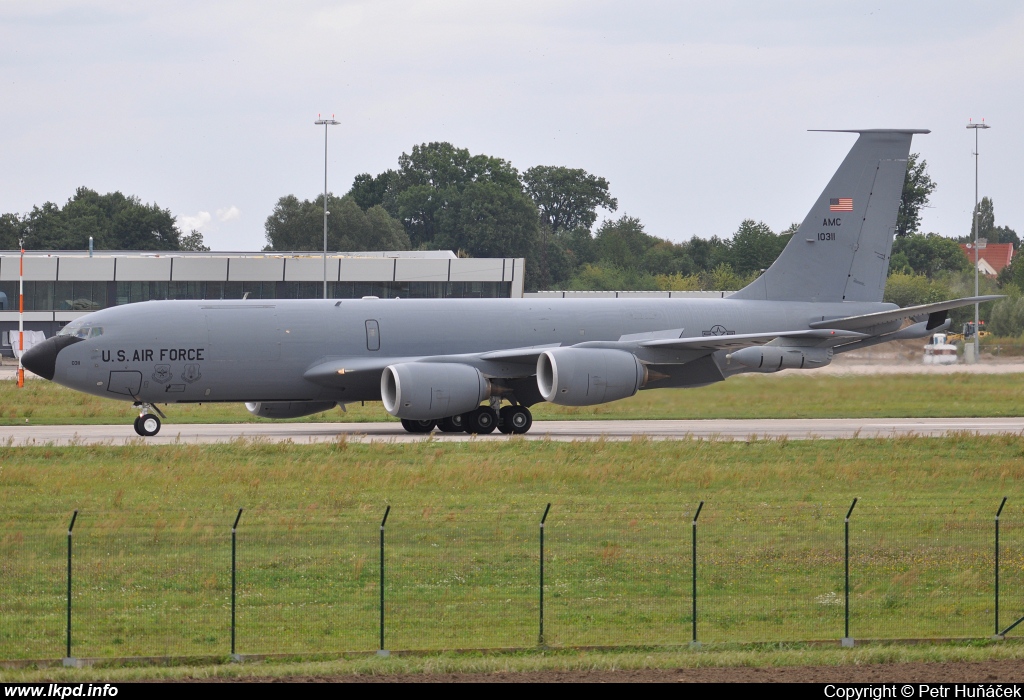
{"x": 772, "y": 358}
{"x": 425, "y": 390}
{"x": 585, "y": 377}
{"x": 288, "y": 409}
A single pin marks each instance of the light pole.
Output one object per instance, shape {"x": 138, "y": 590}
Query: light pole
{"x": 21, "y": 313}
{"x": 976, "y": 125}
{"x": 326, "y": 123}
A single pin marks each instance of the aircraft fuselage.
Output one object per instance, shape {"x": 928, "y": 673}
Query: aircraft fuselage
{"x": 251, "y": 351}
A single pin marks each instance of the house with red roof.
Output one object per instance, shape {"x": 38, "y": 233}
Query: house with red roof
{"x": 991, "y": 258}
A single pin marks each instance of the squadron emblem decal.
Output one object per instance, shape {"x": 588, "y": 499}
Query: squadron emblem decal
{"x": 162, "y": 374}
{"x": 191, "y": 374}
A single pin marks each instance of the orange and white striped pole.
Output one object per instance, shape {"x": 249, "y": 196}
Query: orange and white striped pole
{"x": 21, "y": 314}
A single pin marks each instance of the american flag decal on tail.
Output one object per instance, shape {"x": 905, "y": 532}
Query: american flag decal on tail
{"x": 840, "y": 204}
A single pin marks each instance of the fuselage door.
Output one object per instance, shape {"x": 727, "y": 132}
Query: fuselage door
{"x": 372, "y": 335}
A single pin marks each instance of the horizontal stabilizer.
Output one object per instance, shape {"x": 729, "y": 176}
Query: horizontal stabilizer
{"x": 869, "y": 320}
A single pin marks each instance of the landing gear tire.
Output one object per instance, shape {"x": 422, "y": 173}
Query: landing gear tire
{"x": 417, "y": 426}
{"x": 481, "y": 421}
{"x": 515, "y": 420}
{"x": 452, "y": 424}
{"x": 147, "y": 425}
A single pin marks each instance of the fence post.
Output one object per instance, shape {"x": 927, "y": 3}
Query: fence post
{"x": 847, "y": 639}
{"x": 382, "y": 651}
{"x": 69, "y": 660}
{"x": 996, "y": 635}
{"x": 693, "y": 569}
{"x": 540, "y": 636}
{"x": 234, "y": 548}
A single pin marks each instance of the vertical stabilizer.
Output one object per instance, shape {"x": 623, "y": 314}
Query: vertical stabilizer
{"x": 841, "y": 251}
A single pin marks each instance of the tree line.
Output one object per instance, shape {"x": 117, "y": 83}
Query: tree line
{"x": 114, "y": 221}
{"x": 443, "y": 197}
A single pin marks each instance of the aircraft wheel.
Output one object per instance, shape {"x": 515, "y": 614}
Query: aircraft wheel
{"x": 518, "y": 418}
{"x": 481, "y": 421}
{"x": 504, "y": 424}
{"x": 452, "y": 424}
{"x": 417, "y": 426}
{"x": 147, "y": 425}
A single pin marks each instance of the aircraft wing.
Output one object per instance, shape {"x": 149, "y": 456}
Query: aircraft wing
{"x": 711, "y": 343}
{"x": 868, "y": 320}
{"x": 726, "y": 342}
{"x": 521, "y": 362}
{"x": 515, "y": 362}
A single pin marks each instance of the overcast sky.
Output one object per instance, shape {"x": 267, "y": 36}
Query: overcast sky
{"x": 697, "y": 113}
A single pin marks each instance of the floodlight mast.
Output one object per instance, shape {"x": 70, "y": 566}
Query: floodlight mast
{"x": 21, "y": 313}
{"x": 976, "y": 125}
{"x": 326, "y": 123}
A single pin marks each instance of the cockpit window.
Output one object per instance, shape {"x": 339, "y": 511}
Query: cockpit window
{"x": 81, "y": 329}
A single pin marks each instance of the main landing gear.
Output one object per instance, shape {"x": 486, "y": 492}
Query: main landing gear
{"x": 147, "y": 424}
{"x": 510, "y": 420}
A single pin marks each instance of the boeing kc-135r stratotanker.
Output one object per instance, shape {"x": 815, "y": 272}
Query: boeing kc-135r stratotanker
{"x": 450, "y": 363}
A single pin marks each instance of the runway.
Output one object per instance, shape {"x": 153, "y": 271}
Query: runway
{"x": 566, "y": 431}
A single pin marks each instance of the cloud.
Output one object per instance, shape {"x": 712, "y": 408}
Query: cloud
{"x": 187, "y": 223}
{"x": 229, "y": 214}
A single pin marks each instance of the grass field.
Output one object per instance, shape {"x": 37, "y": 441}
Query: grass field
{"x": 152, "y": 543}
{"x": 754, "y": 396}
{"x": 713, "y": 657}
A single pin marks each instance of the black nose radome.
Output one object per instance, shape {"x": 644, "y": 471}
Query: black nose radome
{"x": 41, "y": 358}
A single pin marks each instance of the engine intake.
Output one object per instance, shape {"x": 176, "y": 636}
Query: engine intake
{"x": 772, "y": 358}
{"x": 425, "y": 390}
{"x": 585, "y": 377}
{"x": 288, "y": 409}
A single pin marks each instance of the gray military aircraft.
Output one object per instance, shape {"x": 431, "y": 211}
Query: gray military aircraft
{"x": 451, "y": 364}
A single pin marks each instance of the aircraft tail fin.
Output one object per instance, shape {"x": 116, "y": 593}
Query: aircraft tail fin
{"x": 841, "y": 250}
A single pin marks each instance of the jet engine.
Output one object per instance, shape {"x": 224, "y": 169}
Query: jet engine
{"x": 584, "y": 376}
{"x": 288, "y": 409}
{"x": 425, "y": 390}
{"x": 772, "y": 358}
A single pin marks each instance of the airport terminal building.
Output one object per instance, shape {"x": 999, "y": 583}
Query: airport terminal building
{"x": 60, "y": 286}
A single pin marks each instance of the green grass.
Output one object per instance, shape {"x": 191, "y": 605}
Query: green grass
{"x": 152, "y": 547}
{"x": 753, "y": 396}
{"x": 714, "y": 656}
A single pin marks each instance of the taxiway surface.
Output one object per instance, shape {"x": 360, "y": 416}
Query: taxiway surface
{"x": 619, "y": 430}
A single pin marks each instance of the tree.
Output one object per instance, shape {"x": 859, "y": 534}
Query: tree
{"x": 707, "y": 253}
{"x": 489, "y": 220}
{"x": 567, "y": 198}
{"x": 1006, "y": 319}
{"x": 299, "y": 225}
{"x": 927, "y": 255}
{"x": 724, "y": 279}
{"x": 987, "y": 229}
{"x": 430, "y": 181}
{"x": 610, "y": 277}
{"x": 910, "y": 290}
{"x": 369, "y": 191}
{"x": 623, "y": 242}
{"x": 11, "y": 230}
{"x": 114, "y": 222}
{"x": 193, "y": 241}
{"x": 917, "y": 189}
{"x": 754, "y": 247}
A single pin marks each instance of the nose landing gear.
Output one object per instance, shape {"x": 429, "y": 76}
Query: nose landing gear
{"x": 147, "y": 424}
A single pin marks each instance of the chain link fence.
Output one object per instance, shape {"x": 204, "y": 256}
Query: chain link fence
{"x": 160, "y": 584}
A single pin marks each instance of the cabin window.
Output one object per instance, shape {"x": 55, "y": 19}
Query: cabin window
{"x": 372, "y": 335}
